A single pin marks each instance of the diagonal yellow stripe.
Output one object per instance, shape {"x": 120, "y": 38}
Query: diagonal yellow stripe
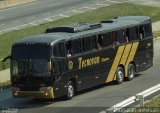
{"x": 125, "y": 54}
{"x": 131, "y": 56}
{"x": 115, "y": 63}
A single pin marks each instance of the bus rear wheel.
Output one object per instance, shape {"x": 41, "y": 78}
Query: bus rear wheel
{"x": 70, "y": 90}
{"x": 119, "y": 75}
{"x": 131, "y": 72}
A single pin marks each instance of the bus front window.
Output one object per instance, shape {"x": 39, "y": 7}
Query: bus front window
{"x": 35, "y": 67}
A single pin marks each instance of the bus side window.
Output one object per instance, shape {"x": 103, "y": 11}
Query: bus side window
{"x": 69, "y": 48}
{"x": 58, "y": 50}
{"x": 141, "y": 32}
{"x": 77, "y": 46}
{"x": 127, "y": 35}
{"x": 115, "y": 38}
{"x": 99, "y": 41}
{"x": 106, "y": 39}
{"x": 88, "y": 43}
{"x": 122, "y": 36}
{"x": 147, "y": 30}
{"x": 133, "y": 33}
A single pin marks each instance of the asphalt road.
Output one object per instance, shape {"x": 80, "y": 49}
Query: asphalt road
{"x": 43, "y": 11}
{"x": 92, "y": 100}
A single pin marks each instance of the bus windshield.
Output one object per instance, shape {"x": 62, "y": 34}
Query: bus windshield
{"x": 30, "y": 60}
{"x": 36, "y": 67}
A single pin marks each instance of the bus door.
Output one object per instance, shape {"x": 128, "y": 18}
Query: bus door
{"x": 58, "y": 75}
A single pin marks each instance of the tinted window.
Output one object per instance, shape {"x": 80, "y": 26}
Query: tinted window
{"x": 77, "y": 46}
{"x": 58, "y": 50}
{"x": 106, "y": 39}
{"x": 24, "y": 51}
{"x": 69, "y": 48}
{"x": 147, "y": 29}
{"x": 132, "y": 34}
{"x": 141, "y": 32}
{"x": 118, "y": 36}
{"x": 89, "y": 43}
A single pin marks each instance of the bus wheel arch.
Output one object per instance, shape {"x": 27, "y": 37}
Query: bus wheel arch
{"x": 131, "y": 71}
{"x": 120, "y": 73}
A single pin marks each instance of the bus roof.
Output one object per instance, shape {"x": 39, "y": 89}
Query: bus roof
{"x": 108, "y": 25}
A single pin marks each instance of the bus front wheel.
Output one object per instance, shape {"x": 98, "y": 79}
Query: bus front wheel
{"x": 131, "y": 72}
{"x": 119, "y": 75}
{"x": 70, "y": 90}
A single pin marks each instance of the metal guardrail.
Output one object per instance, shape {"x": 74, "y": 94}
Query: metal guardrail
{"x": 138, "y": 99}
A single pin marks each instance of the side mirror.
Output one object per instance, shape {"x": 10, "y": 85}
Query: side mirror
{"x": 4, "y": 60}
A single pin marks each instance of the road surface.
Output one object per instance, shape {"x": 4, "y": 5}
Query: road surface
{"x": 43, "y": 11}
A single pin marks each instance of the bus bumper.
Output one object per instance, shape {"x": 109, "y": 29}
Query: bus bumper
{"x": 44, "y": 92}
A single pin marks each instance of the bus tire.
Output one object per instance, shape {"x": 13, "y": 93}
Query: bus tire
{"x": 119, "y": 75}
{"x": 131, "y": 72}
{"x": 70, "y": 90}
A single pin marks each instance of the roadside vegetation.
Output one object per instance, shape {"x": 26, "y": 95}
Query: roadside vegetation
{"x": 152, "y": 106}
{"x": 104, "y": 13}
{"x": 156, "y": 34}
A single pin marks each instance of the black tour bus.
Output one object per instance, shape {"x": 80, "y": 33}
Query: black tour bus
{"x": 74, "y": 57}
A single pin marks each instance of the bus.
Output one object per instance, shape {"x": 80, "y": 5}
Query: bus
{"x": 70, "y": 58}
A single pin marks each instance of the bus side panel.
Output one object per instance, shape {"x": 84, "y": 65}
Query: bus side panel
{"x": 144, "y": 55}
{"x": 107, "y": 58}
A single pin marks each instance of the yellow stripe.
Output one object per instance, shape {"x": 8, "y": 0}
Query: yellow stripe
{"x": 115, "y": 64}
{"x": 125, "y": 54}
{"x": 131, "y": 56}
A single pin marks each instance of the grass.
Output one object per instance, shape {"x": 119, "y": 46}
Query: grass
{"x": 156, "y": 34}
{"x": 124, "y": 9}
{"x": 152, "y": 106}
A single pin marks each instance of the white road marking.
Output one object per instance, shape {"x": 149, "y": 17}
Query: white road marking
{"x": 33, "y": 23}
{"x": 113, "y": 1}
{"x": 48, "y": 19}
{"x": 77, "y": 11}
{"x": 63, "y": 15}
{"x": 88, "y": 7}
{"x": 31, "y": 18}
{"x": 147, "y": 3}
{"x": 103, "y": 112}
{"x": 51, "y": 5}
{"x": 101, "y": 4}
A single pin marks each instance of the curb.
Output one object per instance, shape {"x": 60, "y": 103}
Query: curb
{"x": 157, "y": 38}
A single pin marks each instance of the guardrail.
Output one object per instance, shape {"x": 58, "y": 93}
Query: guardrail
{"x": 138, "y": 99}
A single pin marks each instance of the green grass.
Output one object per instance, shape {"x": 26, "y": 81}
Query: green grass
{"x": 156, "y": 34}
{"x": 124, "y": 9}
